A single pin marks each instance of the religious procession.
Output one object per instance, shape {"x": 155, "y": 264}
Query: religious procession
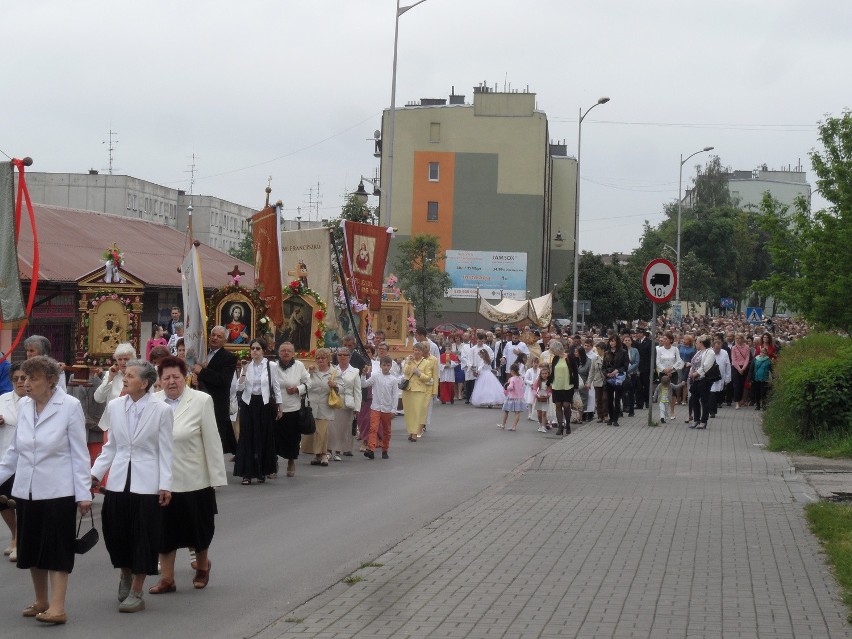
{"x": 311, "y": 353}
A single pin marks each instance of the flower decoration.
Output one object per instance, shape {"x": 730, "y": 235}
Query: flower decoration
{"x": 412, "y": 323}
{"x": 261, "y": 320}
{"x": 114, "y": 255}
{"x": 390, "y": 290}
{"x": 235, "y": 281}
{"x": 297, "y": 287}
{"x": 320, "y": 315}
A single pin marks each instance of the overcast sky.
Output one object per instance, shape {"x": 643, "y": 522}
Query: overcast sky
{"x": 295, "y": 89}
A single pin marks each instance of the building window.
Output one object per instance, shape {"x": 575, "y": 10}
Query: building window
{"x": 129, "y": 201}
{"x": 435, "y": 132}
{"x": 432, "y": 212}
{"x": 434, "y": 172}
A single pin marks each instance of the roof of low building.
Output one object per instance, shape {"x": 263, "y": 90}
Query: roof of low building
{"x": 72, "y": 242}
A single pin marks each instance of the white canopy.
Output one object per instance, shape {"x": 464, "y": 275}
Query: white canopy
{"x": 538, "y": 310}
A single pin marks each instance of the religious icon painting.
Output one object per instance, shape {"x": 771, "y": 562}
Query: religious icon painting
{"x": 237, "y": 313}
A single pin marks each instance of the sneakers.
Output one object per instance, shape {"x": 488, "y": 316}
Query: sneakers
{"x": 133, "y": 603}
{"x": 369, "y": 454}
{"x": 542, "y": 429}
{"x": 385, "y": 455}
{"x": 337, "y": 457}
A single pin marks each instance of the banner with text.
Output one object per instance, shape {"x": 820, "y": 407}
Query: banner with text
{"x": 364, "y": 263}
{"x": 496, "y": 273}
{"x": 11, "y": 300}
{"x": 306, "y": 256}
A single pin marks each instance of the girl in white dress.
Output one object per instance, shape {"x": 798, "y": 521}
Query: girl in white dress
{"x": 530, "y": 375}
{"x": 487, "y": 391}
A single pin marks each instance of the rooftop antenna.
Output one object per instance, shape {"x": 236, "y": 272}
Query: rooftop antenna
{"x": 111, "y": 146}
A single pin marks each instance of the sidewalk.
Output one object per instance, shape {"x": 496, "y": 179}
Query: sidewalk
{"x": 611, "y": 532}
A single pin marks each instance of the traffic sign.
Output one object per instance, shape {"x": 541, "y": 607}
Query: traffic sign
{"x": 727, "y": 302}
{"x": 754, "y": 315}
{"x": 660, "y": 280}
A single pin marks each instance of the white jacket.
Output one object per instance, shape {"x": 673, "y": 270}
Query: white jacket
{"x": 148, "y": 453}
{"x": 349, "y": 387}
{"x": 245, "y": 382}
{"x": 197, "y": 458}
{"x": 50, "y": 460}
{"x": 9, "y": 413}
{"x": 107, "y": 392}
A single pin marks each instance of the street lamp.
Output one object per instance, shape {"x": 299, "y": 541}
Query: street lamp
{"x": 361, "y": 194}
{"x": 389, "y": 186}
{"x": 603, "y": 100}
{"x": 559, "y": 239}
{"x": 679, "y": 208}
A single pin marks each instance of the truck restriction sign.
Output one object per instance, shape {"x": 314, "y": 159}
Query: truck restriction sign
{"x": 660, "y": 280}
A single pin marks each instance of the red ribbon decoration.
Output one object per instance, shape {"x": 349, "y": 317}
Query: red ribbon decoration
{"x": 22, "y": 190}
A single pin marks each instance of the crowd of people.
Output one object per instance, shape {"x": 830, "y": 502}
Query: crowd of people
{"x": 158, "y": 447}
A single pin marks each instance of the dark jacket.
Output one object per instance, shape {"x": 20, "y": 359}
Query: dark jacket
{"x": 617, "y": 361}
{"x": 215, "y": 380}
{"x": 646, "y": 355}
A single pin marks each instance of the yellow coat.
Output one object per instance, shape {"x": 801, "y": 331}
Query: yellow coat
{"x": 427, "y": 382}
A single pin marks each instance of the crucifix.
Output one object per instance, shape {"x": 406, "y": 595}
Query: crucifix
{"x": 268, "y": 190}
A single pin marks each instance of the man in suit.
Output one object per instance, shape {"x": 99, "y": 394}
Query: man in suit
{"x": 642, "y": 341}
{"x": 214, "y": 378}
{"x": 171, "y": 327}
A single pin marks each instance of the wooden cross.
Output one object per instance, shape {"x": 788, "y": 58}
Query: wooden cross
{"x": 234, "y": 273}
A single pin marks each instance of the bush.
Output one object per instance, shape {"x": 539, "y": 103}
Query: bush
{"x": 809, "y": 406}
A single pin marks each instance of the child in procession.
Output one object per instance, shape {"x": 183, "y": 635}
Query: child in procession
{"x": 514, "y": 396}
{"x": 541, "y": 391}
{"x": 384, "y": 387}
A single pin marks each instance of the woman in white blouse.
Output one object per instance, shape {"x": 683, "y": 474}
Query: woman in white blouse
{"x": 260, "y": 404}
{"x": 668, "y": 358}
{"x": 294, "y": 381}
{"x": 347, "y": 382}
{"x": 8, "y": 421}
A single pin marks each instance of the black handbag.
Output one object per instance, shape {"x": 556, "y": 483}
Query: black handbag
{"x": 84, "y": 544}
{"x": 714, "y": 374}
{"x": 307, "y": 423}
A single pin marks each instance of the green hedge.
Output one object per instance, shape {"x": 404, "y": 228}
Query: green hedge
{"x": 810, "y": 404}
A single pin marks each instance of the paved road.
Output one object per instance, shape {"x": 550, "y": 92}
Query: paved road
{"x": 612, "y": 532}
{"x": 280, "y": 544}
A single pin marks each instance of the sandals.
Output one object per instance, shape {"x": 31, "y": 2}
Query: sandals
{"x": 162, "y": 587}
{"x": 33, "y": 609}
{"x": 202, "y": 577}
{"x": 412, "y": 438}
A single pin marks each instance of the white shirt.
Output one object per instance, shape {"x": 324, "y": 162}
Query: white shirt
{"x": 9, "y": 413}
{"x": 134, "y": 411}
{"x": 511, "y": 356}
{"x": 384, "y": 391}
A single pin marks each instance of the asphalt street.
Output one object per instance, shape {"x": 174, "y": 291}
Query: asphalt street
{"x": 277, "y": 545}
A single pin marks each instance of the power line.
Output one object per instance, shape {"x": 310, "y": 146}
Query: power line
{"x": 784, "y": 128}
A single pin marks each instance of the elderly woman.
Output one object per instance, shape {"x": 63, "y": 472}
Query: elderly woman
{"x": 294, "y": 381}
{"x": 139, "y": 456}
{"x": 346, "y": 380}
{"x": 320, "y": 374}
{"x": 421, "y": 371}
{"x": 197, "y": 467}
{"x": 260, "y": 405}
{"x": 8, "y": 421}
{"x": 49, "y": 460}
{"x": 687, "y": 350}
{"x": 110, "y": 388}
{"x": 39, "y": 345}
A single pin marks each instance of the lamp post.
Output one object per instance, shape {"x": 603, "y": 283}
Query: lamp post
{"x": 389, "y": 185}
{"x": 603, "y": 100}
{"x": 679, "y": 210}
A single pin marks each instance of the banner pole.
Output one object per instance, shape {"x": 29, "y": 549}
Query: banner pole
{"x": 346, "y": 294}
{"x": 476, "y": 311}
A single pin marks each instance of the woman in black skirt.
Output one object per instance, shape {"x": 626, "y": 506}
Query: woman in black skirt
{"x": 139, "y": 458}
{"x": 260, "y": 404}
{"x": 49, "y": 493}
{"x": 197, "y": 466}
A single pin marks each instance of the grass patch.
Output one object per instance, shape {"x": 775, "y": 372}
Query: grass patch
{"x": 832, "y": 524}
{"x": 371, "y": 564}
{"x": 352, "y": 579}
{"x": 809, "y": 411}
{"x": 294, "y": 620}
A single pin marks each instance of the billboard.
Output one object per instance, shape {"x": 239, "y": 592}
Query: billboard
{"x": 490, "y": 271}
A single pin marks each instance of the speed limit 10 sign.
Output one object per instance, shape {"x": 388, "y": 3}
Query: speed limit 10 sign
{"x": 660, "y": 280}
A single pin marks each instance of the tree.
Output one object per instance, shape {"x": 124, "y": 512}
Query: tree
{"x": 418, "y": 266}
{"x": 245, "y": 249}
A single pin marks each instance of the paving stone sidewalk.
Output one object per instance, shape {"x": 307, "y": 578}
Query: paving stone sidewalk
{"x": 610, "y": 532}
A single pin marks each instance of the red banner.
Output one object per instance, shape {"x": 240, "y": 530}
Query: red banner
{"x": 364, "y": 263}
{"x": 267, "y": 261}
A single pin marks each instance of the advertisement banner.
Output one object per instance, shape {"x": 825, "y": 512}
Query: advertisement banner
{"x": 267, "y": 261}
{"x": 195, "y": 313}
{"x": 492, "y": 272}
{"x": 364, "y": 262}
